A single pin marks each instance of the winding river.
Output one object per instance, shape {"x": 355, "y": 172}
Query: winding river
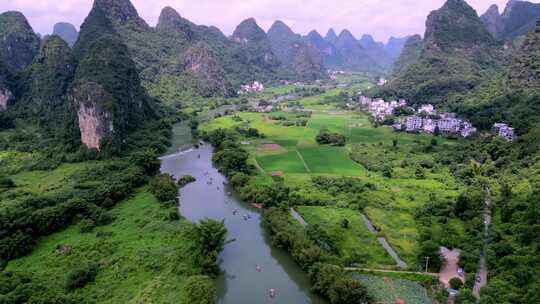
{"x": 250, "y": 265}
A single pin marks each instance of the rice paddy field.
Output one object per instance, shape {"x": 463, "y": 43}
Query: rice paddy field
{"x": 292, "y": 153}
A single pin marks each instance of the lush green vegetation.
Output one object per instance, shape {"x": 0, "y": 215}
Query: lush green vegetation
{"x": 353, "y": 242}
{"x": 390, "y": 290}
{"x": 140, "y": 256}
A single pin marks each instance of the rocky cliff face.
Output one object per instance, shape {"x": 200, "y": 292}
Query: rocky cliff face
{"x": 66, "y": 31}
{"x": 107, "y": 94}
{"x": 519, "y": 18}
{"x": 493, "y": 21}
{"x": 5, "y": 97}
{"x": 6, "y": 94}
{"x": 18, "y": 42}
{"x": 95, "y": 120}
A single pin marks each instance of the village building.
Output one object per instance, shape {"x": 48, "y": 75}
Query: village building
{"x": 427, "y": 109}
{"x": 413, "y": 123}
{"x": 449, "y": 125}
{"x": 467, "y": 129}
{"x": 505, "y": 131}
{"x": 254, "y": 87}
{"x": 429, "y": 125}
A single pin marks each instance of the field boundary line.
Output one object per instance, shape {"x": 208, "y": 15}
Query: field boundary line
{"x": 303, "y": 161}
{"x": 431, "y": 274}
{"x": 259, "y": 166}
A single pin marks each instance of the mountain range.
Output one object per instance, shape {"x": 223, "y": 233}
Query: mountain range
{"x": 74, "y": 81}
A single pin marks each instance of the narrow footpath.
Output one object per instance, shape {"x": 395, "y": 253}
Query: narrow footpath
{"x": 384, "y": 242}
{"x": 481, "y": 275}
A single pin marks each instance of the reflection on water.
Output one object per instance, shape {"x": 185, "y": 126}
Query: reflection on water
{"x": 251, "y": 267}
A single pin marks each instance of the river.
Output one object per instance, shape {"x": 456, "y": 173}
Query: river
{"x": 240, "y": 282}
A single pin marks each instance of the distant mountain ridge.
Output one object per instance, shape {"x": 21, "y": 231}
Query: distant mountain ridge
{"x": 346, "y": 52}
{"x": 517, "y": 19}
{"x": 66, "y": 31}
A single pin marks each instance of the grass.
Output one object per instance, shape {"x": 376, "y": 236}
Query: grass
{"x": 287, "y": 162}
{"x": 46, "y": 181}
{"x": 142, "y": 257}
{"x": 356, "y": 242}
{"x": 330, "y": 160}
{"x": 389, "y": 290}
{"x": 400, "y": 230}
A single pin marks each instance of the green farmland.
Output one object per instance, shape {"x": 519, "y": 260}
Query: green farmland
{"x": 391, "y": 196}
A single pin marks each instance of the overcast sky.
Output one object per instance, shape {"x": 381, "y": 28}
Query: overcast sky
{"x": 381, "y": 18}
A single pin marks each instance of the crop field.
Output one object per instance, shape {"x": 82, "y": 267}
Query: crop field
{"x": 355, "y": 242}
{"x": 390, "y": 202}
{"x": 388, "y": 290}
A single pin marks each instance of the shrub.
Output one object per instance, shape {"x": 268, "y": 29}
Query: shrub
{"x": 164, "y": 188}
{"x": 348, "y": 291}
{"x": 455, "y": 283}
{"x": 79, "y": 277}
{"x": 335, "y": 139}
{"x": 87, "y": 225}
{"x": 186, "y": 179}
{"x": 200, "y": 289}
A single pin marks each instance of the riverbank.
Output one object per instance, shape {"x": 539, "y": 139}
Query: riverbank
{"x": 241, "y": 282}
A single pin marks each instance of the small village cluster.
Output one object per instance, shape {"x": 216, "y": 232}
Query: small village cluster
{"x": 254, "y": 87}
{"x": 426, "y": 119}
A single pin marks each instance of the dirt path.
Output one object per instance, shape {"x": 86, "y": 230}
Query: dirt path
{"x": 481, "y": 275}
{"x": 390, "y": 271}
{"x": 303, "y": 161}
{"x": 298, "y": 217}
{"x": 384, "y": 242}
{"x": 259, "y": 166}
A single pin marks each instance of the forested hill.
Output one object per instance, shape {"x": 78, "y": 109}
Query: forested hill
{"x": 458, "y": 54}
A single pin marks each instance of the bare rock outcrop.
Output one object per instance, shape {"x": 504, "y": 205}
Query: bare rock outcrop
{"x": 95, "y": 121}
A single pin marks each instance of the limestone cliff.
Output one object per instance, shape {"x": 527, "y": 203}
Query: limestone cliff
{"x": 108, "y": 96}
{"x": 5, "y": 97}
{"x": 94, "y": 118}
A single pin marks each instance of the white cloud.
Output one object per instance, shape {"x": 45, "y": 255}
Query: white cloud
{"x": 381, "y": 18}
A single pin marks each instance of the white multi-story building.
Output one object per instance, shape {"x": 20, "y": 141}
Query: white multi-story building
{"x": 505, "y": 131}
{"x": 429, "y": 125}
{"x": 467, "y": 129}
{"x": 427, "y": 109}
{"x": 449, "y": 125}
{"x": 251, "y": 88}
{"x": 413, "y": 123}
